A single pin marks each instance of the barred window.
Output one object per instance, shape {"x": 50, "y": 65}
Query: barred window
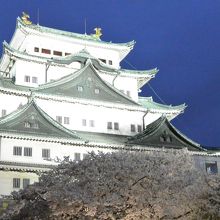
{"x": 34, "y": 79}
{"x": 27, "y": 124}
{"x": 139, "y": 127}
{"x": 28, "y": 151}
{"x": 57, "y": 53}
{"x": 116, "y": 126}
{"x": 59, "y": 119}
{"x": 83, "y": 122}
{"x": 16, "y": 183}
{"x": 26, "y": 182}
{"x": 77, "y": 156}
{"x": 91, "y": 123}
{"x": 4, "y": 112}
{"x": 66, "y": 120}
{"x": 109, "y": 125}
{"x": 27, "y": 78}
{"x": 46, "y": 51}
{"x": 67, "y": 54}
{"x": 85, "y": 155}
{"x": 17, "y": 151}
{"x": 133, "y": 128}
{"x": 36, "y": 49}
{"x": 46, "y": 153}
{"x": 110, "y": 62}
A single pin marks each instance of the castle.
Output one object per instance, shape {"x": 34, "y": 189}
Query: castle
{"x": 65, "y": 94}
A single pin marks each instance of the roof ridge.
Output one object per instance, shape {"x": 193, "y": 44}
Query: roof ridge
{"x": 40, "y": 28}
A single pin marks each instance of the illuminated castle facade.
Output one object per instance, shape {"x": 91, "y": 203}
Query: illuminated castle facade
{"x": 65, "y": 94}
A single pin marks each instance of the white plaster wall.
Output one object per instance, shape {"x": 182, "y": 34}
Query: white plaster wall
{"x": 57, "y": 150}
{"x": 70, "y": 47}
{"x": 100, "y": 115}
{"x": 6, "y": 180}
{"x": 123, "y": 84}
{"x": 10, "y": 102}
{"x": 24, "y": 68}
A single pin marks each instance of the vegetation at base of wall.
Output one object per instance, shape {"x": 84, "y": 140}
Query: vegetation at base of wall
{"x": 121, "y": 185}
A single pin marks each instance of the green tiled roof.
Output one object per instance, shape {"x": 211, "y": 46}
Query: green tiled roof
{"x": 161, "y": 133}
{"x": 92, "y": 85}
{"x": 39, "y": 123}
{"x": 72, "y": 35}
{"x": 8, "y": 83}
{"x": 147, "y": 72}
{"x": 148, "y": 103}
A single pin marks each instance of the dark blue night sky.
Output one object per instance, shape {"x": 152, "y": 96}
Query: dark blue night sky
{"x": 181, "y": 38}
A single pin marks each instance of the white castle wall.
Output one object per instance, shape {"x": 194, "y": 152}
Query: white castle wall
{"x": 100, "y": 115}
{"x": 10, "y": 102}
{"x": 57, "y": 150}
{"x": 67, "y": 46}
{"x": 6, "y": 180}
{"x": 127, "y": 85}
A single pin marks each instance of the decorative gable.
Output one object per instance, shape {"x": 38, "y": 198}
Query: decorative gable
{"x": 161, "y": 133}
{"x": 85, "y": 84}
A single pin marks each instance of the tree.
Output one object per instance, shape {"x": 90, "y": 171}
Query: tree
{"x": 121, "y": 185}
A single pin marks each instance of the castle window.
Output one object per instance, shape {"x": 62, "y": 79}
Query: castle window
{"x": 85, "y": 155}
{"x": 46, "y": 153}
{"x": 116, "y": 125}
{"x": 110, "y": 62}
{"x": 91, "y": 123}
{"x": 139, "y": 128}
{"x": 16, "y": 183}
{"x": 109, "y": 125}
{"x": 27, "y": 124}
{"x": 34, "y": 79}
{"x": 77, "y": 156}
{"x": 28, "y": 151}
{"x": 80, "y": 88}
{"x": 83, "y": 122}
{"x": 27, "y": 78}
{"x": 26, "y": 182}
{"x": 66, "y": 120}
{"x": 133, "y": 128}
{"x": 17, "y": 151}
{"x": 46, "y": 51}
{"x": 3, "y": 112}
{"x": 97, "y": 91}
{"x": 211, "y": 167}
{"x": 57, "y": 53}
{"x": 67, "y": 54}
{"x": 36, "y": 49}
{"x": 59, "y": 119}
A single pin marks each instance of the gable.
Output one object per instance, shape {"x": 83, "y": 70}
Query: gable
{"x": 85, "y": 84}
{"x": 162, "y": 134}
{"x": 30, "y": 119}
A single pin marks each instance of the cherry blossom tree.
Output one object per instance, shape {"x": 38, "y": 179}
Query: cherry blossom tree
{"x": 122, "y": 185}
